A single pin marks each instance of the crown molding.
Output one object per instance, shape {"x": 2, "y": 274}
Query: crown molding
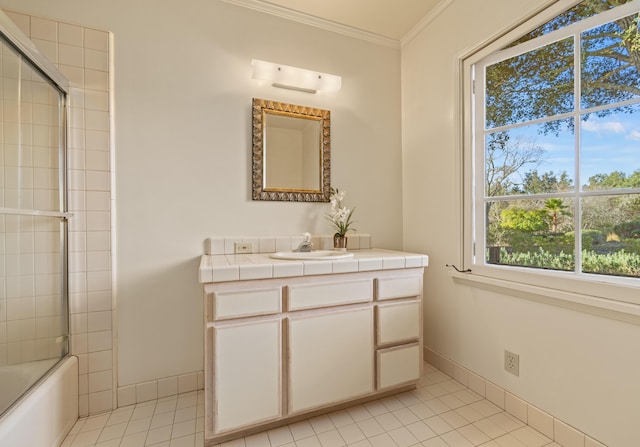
{"x": 307, "y": 19}
{"x": 426, "y": 20}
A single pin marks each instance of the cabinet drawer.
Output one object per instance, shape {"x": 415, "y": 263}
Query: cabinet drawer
{"x": 246, "y": 303}
{"x": 390, "y": 288}
{"x": 331, "y": 294}
{"x": 397, "y": 322}
{"x": 399, "y": 365}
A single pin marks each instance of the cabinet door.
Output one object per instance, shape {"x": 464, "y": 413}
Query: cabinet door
{"x": 246, "y": 374}
{"x": 331, "y": 358}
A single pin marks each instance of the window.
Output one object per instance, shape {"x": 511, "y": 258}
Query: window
{"x": 553, "y": 147}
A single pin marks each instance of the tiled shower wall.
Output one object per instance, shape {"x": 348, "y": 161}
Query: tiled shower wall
{"x": 82, "y": 55}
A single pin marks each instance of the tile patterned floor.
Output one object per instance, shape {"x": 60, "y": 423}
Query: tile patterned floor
{"x": 439, "y": 413}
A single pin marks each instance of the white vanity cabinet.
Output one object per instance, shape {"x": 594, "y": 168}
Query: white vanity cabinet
{"x": 283, "y": 348}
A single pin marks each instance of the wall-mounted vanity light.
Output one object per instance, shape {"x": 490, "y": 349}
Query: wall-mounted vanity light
{"x": 293, "y": 78}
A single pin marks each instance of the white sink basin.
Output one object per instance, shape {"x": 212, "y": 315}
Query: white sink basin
{"x": 315, "y": 255}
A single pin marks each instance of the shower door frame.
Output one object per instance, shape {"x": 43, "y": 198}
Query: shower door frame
{"x": 15, "y": 38}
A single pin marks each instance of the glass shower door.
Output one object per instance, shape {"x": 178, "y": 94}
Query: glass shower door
{"x": 33, "y": 225}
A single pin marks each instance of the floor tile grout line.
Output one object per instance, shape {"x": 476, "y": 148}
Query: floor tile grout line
{"x": 391, "y": 405}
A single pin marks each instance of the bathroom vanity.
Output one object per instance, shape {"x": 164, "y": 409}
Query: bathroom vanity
{"x": 287, "y": 339}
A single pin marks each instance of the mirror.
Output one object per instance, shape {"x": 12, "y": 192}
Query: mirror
{"x": 291, "y": 152}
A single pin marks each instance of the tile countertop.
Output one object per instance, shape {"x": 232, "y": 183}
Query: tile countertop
{"x": 222, "y": 268}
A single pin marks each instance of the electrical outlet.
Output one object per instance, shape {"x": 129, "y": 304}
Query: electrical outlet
{"x": 511, "y": 363}
{"x": 243, "y": 247}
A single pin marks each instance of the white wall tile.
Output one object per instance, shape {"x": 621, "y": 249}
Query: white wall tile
{"x": 22, "y": 21}
{"x": 98, "y": 220}
{"x": 83, "y": 363}
{"x": 70, "y": 55}
{"x": 79, "y": 344}
{"x": 566, "y": 435}
{"x": 78, "y": 323}
{"x": 44, "y": 29}
{"x": 540, "y": 420}
{"x": 98, "y": 260}
{"x": 461, "y": 374}
{"x": 70, "y": 34}
{"x": 97, "y": 281}
{"x": 353, "y": 242}
{"x": 588, "y": 442}
{"x": 99, "y": 301}
{"x": 96, "y": 80}
{"x": 96, "y": 60}
{"x": 100, "y": 361}
{"x": 78, "y": 302}
{"x": 187, "y": 383}
{"x": 98, "y": 200}
{"x": 126, "y": 395}
{"x": 147, "y": 391}
{"x": 100, "y": 401}
{"x": 97, "y": 120}
{"x": 200, "y": 380}
{"x": 97, "y": 181}
{"x": 99, "y": 341}
{"x": 96, "y": 39}
{"x": 515, "y": 406}
{"x": 283, "y": 243}
{"x": 167, "y": 386}
{"x": 75, "y": 75}
{"x": 83, "y": 405}
{"x": 98, "y": 241}
{"x": 495, "y": 394}
{"x": 97, "y": 140}
{"x": 83, "y": 383}
{"x": 100, "y": 381}
{"x": 477, "y": 384}
{"x": 97, "y": 160}
{"x": 267, "y": 245}
{"x": 99, "y": 321}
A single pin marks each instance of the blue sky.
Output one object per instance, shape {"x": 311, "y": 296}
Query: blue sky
{"x": 610, "y": 143}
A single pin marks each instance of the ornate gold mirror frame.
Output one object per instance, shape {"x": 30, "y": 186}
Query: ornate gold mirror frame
{"x": 291, "y": 152}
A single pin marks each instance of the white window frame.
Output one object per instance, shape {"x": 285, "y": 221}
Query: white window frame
{"x": 612, "y": 296}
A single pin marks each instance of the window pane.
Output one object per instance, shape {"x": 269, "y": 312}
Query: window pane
{"x": 532, "y": 85}
{"x": 611, "y": 242}
{"x": 581, "y": 11}
{"x": 530, "y": 159}
{"x": 610, "y": 153}
{"x": 531, "y": 233}
{"x": 611, "y": 63}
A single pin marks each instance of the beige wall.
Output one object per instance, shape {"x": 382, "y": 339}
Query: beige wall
{"x": 183, "y": 92}
{"x": 581, "y": 368}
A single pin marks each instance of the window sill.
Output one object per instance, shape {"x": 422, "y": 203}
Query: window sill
{"x": 603, "y": 307}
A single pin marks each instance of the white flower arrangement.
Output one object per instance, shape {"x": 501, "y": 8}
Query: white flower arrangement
{"x": 340, "y": 215}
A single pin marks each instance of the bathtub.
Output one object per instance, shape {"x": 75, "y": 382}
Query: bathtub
{"x": 45, "y": 414}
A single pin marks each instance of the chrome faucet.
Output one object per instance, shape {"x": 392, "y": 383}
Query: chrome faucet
{"x": 306, "y": 245}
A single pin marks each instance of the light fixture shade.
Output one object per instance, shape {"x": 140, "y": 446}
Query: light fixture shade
{"x": 294, "y": 78}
